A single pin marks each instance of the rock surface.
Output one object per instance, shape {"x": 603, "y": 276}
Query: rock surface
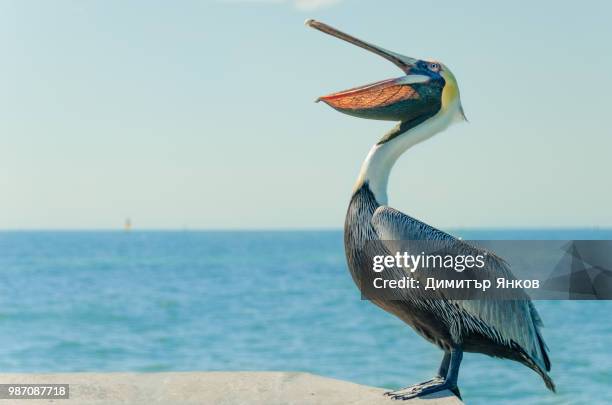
{"x": 215, "y": 388}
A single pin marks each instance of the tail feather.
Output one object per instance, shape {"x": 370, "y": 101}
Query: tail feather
{"x": 544, "y": 350}
{"x": 537, "y": 323}
{"x": 529, "y": 362}
{"x": 550, "y": 384}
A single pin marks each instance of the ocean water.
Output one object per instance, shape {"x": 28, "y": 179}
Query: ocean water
{"x": 170, "y": 301}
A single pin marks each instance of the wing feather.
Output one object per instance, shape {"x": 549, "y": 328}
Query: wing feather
{"x": 509, "y": 322}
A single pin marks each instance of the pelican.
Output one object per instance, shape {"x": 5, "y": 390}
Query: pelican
{"x": 425, "y": 101}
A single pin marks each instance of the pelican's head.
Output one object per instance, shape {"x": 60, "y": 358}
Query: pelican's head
{"x": 428, "y": 88}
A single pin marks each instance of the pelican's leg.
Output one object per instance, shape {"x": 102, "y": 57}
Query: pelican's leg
{"x": 442, "y": 371}
{"x": 449, "y": 366}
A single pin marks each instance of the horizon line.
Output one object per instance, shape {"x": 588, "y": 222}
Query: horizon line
{"x": 298, "y": 229}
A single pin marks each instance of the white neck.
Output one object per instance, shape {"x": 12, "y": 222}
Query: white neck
{"x": 377, "y": 166}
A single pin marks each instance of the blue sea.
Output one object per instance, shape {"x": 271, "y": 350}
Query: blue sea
{"x": 168, "y": 301}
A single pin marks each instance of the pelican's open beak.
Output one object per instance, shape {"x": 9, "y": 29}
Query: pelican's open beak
{"x": 401, "y": 61}
{"x": 381, "y": 100}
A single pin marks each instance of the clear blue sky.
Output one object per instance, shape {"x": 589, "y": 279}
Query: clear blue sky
{"x": 200, "y": 114}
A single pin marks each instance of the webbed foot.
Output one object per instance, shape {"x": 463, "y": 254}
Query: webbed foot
{"x": 414, "y": 388}
{"x": 428, "y": 387}
{"x": 445, "y": 380}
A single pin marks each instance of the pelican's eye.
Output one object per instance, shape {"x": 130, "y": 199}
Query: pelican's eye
{"x": 434, "y": 67}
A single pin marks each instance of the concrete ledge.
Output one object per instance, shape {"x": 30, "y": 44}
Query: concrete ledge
{"x": 218, "y": 388}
